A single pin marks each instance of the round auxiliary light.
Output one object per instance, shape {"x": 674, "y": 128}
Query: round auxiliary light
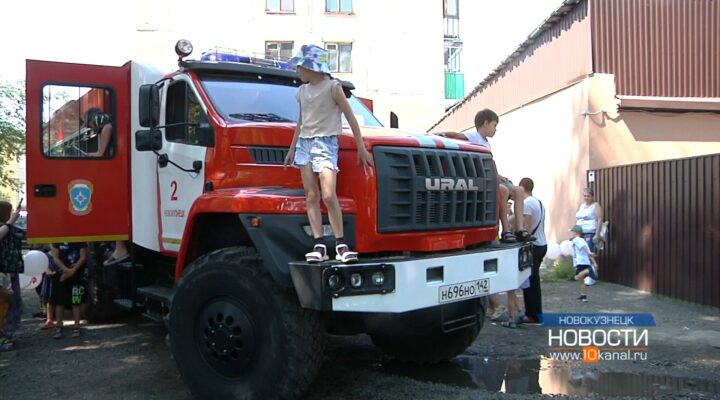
{"x": 356, "y": 280}
{"x": 183, "y": 48}
{"x": 333, "y": 282}
{"x": 378, "y": 278}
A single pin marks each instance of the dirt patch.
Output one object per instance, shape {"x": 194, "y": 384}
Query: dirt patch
{"x": 129, "y": 359}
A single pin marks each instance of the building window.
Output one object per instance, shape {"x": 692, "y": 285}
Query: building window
{"x": 280, "y": 6}
{"x": 450, "y": 9}
{"x": 339, "y": 56}
{"x": 453, "y": 62}
{"x": 282, "y": 51}
{"x": 338, "y": 6}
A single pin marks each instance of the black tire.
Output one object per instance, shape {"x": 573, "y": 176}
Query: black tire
{"x": 99, "y": 306}
{"x": 236, "y": 334}
{"x": 417, "y": 336}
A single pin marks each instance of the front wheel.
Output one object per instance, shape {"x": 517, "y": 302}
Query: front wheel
{"x": 236, "y": 334}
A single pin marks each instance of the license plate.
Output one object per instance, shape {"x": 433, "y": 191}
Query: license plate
{"x": 464, "y": 290}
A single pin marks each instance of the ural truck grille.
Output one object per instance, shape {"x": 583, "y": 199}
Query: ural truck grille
{"x": 429, "y": 189}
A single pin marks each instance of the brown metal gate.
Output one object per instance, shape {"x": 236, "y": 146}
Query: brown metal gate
{"x": 664, "y": 227}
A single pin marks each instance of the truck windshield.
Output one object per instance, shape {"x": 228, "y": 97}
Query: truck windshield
{"x": 269, "y": 100}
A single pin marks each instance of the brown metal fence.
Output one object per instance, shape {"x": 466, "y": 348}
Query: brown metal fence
{"x": 664, "y": 234}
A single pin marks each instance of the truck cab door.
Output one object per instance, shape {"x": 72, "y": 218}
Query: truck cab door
{"x": 186, "y": 145}
{"x": 74, "y": 193}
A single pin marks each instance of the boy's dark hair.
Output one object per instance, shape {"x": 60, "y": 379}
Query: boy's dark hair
{"x": 527, "y": 184}
{"x": 5, "y": 211}
{"x": 486, "y": 115}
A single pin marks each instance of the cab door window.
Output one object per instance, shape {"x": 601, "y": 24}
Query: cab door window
{"x": 184, "y": 117}
{"x": 77, "y": 122}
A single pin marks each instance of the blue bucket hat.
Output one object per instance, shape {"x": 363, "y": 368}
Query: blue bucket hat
{"x": 311, "y": 57}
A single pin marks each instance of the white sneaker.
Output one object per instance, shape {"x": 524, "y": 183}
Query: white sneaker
{"x": 319, "y": 254}
{"x": 344, "y": 255}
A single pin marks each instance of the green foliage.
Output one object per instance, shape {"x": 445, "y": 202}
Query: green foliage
{"x": 12, "y": 129}
{"x": 562, "y": 270}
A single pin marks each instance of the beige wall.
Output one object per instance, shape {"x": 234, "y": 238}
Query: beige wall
{"x": 628, "y": 137}
{"x": 397, "y": 58}
{"x": 556, "y": 139}
{"x": 547, "y": 141}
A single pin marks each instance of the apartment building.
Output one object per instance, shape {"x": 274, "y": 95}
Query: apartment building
{"x": 391, "y": 50}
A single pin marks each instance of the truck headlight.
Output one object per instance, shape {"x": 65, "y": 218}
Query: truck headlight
{"x": 333, "y": 282}
{"x": 356, "y": 280}
{"x": 378, "y": 278}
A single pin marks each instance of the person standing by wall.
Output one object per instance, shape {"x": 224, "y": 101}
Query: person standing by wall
{"x": 589, "y": 216}
{"x": 534, "y": 220}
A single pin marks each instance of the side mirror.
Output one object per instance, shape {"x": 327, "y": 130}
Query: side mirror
{"x": 149, "y": 106}
{"x": 149, "y": 140}
{"x": 393, "y": 120}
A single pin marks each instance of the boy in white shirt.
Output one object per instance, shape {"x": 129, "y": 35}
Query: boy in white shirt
{"x": 486, "y": 122}
{"x": 581, "y": 261}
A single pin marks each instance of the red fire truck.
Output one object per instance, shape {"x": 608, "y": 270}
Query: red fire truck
{"x": 194, "y": 183}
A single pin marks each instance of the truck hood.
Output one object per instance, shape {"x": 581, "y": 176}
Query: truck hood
{"x": 271, "y": 134}
{"x": 395, "y": 137}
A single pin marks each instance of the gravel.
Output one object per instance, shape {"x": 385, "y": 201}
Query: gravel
{"x": 129, "y": 360}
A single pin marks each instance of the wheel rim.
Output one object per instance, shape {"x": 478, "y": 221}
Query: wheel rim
{"x": 226, "y": 336}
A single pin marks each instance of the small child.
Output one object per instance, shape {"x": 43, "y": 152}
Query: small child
{"x": 68, "y": 289}
{"x": 581, "y": 261}
{"x": 52, "y": 273}
{"x": 6, "y": 296}
{"x": 314, "y": 148}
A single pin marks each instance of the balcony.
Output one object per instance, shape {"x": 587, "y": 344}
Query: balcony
{"x": 454, "y": 85}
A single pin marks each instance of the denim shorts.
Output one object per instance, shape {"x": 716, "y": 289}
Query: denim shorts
{"x": 321, "y": 151}
{"x": 582, "y": 267}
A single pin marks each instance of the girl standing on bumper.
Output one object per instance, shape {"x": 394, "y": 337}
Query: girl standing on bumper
{"x": 314, "y": 148}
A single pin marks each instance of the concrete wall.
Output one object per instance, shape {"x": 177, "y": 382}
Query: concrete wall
{"x": 628, "y": 137}
{"x": 556, "y": 139}
{"x": 396, "y": 59}
{"x": 547, "y": 140}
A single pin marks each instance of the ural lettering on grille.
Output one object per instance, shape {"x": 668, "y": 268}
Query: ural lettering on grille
{"x": 429, "y": 189}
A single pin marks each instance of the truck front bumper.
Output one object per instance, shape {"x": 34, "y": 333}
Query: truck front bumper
{"x": 396, "y": 285}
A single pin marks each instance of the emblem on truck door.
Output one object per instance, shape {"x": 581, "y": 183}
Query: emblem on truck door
{"x": 80, "y": 192}
{"x": 450, "y": 184}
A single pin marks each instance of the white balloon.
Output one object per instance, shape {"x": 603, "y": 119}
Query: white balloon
{"x": 36, "y": 262}
{"x": 29, "y": 282}
{"x": 589, "y": 281}
{"x": 566, "y": 248}
{"x": 553, "y": 251}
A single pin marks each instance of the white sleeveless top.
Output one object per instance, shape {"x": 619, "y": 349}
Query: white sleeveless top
{"x": 587, "y": 218}
{"x": 321, "y": 115}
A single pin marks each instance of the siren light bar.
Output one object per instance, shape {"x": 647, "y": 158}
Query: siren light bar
{"x": 230, "y": 55}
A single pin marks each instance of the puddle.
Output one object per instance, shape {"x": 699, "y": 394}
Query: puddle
{"x": 546, "y": 376}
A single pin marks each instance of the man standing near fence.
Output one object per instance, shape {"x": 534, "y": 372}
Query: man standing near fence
{"x": 534, "y": 220}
